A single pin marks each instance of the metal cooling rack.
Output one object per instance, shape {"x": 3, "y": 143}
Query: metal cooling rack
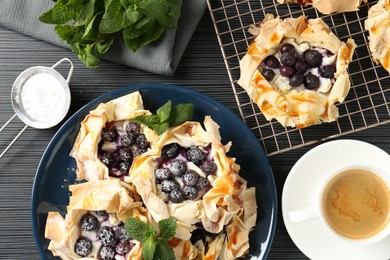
{"x": 367, "y": 104}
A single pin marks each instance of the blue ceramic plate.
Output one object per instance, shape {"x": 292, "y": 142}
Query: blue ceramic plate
{"x": 56, "y": 169}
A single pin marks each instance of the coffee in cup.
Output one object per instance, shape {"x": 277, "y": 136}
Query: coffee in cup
{"x": 356, "y": 204}
{"x": 353, "y": 203}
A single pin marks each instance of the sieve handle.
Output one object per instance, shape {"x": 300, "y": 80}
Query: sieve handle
{"x": 70, "y": 70}
{"x": 16, "y": 137}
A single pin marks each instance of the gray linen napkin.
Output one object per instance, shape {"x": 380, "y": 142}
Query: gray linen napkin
{"x": 160, "y": 57}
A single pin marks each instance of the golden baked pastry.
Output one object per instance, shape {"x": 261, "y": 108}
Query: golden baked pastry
{"x": 378, "y": 25}
{"x": 188, "y": 176}
{"x": 329, "y": 6}
{"x": 296, "y": 70}
{"x": 108, "y": 142}
{"x": 93, "y": 226}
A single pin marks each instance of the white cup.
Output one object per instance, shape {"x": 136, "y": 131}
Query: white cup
{"x": 315, "y": 211}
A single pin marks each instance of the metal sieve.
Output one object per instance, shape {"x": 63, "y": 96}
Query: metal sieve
{"x": 18, "y": 106}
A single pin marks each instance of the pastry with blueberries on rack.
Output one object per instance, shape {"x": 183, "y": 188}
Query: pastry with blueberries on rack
{"x": 378, "y": 26}
{"x": 329, "y": 6}
{"x": 108, "y": 141}
{"x": 188, "y": 176}
{"x": 295, "y": 70}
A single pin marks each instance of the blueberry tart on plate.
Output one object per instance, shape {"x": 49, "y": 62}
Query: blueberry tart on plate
{"x": 108, "y": 141}
{"x": 295, "y": 70}
{"x": 329, "y": 6}
{"x": 93, "y": 227}
{"x": 378, "y": 25}
{"x": 187, "y": 175}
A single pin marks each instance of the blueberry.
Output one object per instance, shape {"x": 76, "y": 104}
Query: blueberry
{"x": 268, "y": 74}
{"x": 162, "y": 173}
{"x": 311, "y": 81}
{"x": 139, "y": 151}
{"x": 83, "y": 247}
{"x": 107, "y": 253}
{"x": 197, "y": 235}
{"x": 89, "y": 222}
{"x": 195, "y": 155}
{"x": 327, "y": 71}
{"x": 133, "y": 128}
{"x": 125, "y": 154}
{"x": 203, "y": 184}
{"x": 190, "y": 192}
{"x": 178, "y": 167}
{"x": 101, "y": 213}
{"x": 176, "y": 196}
{"x": 107, "y": 158}
{"x": 106, "y": 235}
{"x": 287, "y": 71}
{"x": 141, "y": 142}
{"x": 190, "y": 178}
{"x": 288, "y": 59}
{"x": 296, "y": 80}
{"x": 169, "y": 185}
{"x": 272, "y": 62}
{"x": 121, "y": 232}
{"x": 124, "y": 167}
{"x": 301, "y": 66}
{"x": 123, "y": 247}
{"x": 312, "y": 58}
{"x": 208, "y": 167}
{"x": 127, "y": 140}
{"x": 287, "y": 47}
{"x": 108, "y": 134}
{"x": 170, "y": 150}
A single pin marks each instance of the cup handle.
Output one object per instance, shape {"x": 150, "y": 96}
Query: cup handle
{"x": 70, "y": 70}
{"x": 304, "y": 214}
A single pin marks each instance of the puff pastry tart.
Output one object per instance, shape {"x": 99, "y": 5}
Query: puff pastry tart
{"x": 296, "y": 70}
{"x": 93, "y": 227}
{"x": 188, "y": 176}
{"x": 108, "y": 142}
{"x": 378, "y": 25}
{"x": 329, "y": 6}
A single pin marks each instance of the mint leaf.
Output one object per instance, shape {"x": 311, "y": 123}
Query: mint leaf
{"x": 164, "y": 111}
{"x": 163, "y": 251}
{"x": 181, "y": 113}
{"x": 131, "y": 16}
{"x": 160, "y": 128}
{"x": 64, "y": 11}
{"x": 148, "y": 248}
{"x": 148, "y": 120}
{"x": 102, "y": 47}
{"x": 112, "y": 20}
{"x": 63, "y": 31}
{"x": 167, "y": 228}
{"x": 91, "y": 30}
{"x": 85, "y": 14}
{"x": 137, "y": 229}
{"x": 86, "y": 55}
{"x": 166, "y": 116}
{"x": 47, "y": 17}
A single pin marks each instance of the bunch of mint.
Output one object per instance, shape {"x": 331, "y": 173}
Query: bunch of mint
{"x": 88, "y": 26}
{"x": 166, "y": 116}
{"x": 153, "y": 246}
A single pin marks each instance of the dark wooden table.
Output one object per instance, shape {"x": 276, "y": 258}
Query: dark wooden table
{"x": 201, "y": 68}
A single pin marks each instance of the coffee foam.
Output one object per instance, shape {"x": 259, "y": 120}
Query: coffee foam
{"x": 356, "y": 204}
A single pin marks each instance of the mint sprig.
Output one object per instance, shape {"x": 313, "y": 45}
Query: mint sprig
{"x": 153, "y": 246}
{"x": 89, "y": 26}
{"x": 166, "y": 116}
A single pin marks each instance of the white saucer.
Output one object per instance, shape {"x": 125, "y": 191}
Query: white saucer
{"x": 311, "y": 237}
